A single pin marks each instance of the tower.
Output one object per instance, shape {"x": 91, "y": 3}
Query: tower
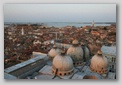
{"x": 93, "y": 24}
{"x": 22, "y": 31}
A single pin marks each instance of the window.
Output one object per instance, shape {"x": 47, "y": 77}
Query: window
{"x": 114, "y": 60}
{"x": 113, "y": 66}
{"x": 60, "y": 74}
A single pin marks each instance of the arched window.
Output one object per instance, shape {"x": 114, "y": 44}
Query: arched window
{"x": 113, "y": 66}
{"x": 60, "y": 74}
{"x": 112, "y": 59}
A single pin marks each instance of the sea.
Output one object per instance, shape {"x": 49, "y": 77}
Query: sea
{"x": 63, "y": 24}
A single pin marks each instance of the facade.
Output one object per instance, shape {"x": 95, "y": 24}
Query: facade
{"x": 110, "y": 53}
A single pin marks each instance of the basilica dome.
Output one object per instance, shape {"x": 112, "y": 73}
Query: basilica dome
{"x": 62, "y": 65}
{"x": 99, "y": 63}
{"x": 86, "y": 52}
{"x": 76, "y": 53}
{"x": 53, "y": 52}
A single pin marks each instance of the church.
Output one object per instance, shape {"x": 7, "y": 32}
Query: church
{"x": 59, "y": 63}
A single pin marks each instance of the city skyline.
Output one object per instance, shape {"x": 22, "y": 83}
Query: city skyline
{"x": 59, "y": 12}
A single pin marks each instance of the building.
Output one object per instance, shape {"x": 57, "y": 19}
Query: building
{"x": 110, "y": 53}
{"x": 76, "y": 53}
{"x": 40, "y": 67}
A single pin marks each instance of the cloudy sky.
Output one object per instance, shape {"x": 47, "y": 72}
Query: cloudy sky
{"x": 59, "y": 12}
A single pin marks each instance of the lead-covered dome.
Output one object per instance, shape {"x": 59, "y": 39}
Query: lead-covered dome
{"x": 62, "y": 65}
{"x": 76, "y": 53}
{"x": 86, "y": 52}
{"x": 99, "y": 63}
{"x": 53, "y": 52}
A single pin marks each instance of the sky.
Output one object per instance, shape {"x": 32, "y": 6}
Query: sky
{"x": 59, "y": 12}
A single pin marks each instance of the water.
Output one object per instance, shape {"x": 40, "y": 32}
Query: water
{"x": 63, "y": 24}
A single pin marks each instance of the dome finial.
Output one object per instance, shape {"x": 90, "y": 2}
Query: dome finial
{"x": 63, "y": 51}
{"x": 54, "y": 46}
{"x": 99, "y": 52}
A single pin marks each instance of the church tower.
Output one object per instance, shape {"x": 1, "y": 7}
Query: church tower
{"x": 22, "y": 31}
{"x": 93, "y": 24}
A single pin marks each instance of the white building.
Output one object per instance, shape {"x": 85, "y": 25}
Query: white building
{"x": 110, "y": 53}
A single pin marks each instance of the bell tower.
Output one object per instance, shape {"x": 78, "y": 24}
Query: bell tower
{"x": 22, "y": 31}
{"x": 93, "y": 24}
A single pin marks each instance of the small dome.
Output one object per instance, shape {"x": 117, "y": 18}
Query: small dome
{"x": 62, "y": 65}
{"x": 99, "y": 52}
{"x": 54, "y": 46}
{"x": 76, "y": 54}
{"x": 53, "y": 52}
{"x": 99, "y": 63}
{"x": 75, "y": 42}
